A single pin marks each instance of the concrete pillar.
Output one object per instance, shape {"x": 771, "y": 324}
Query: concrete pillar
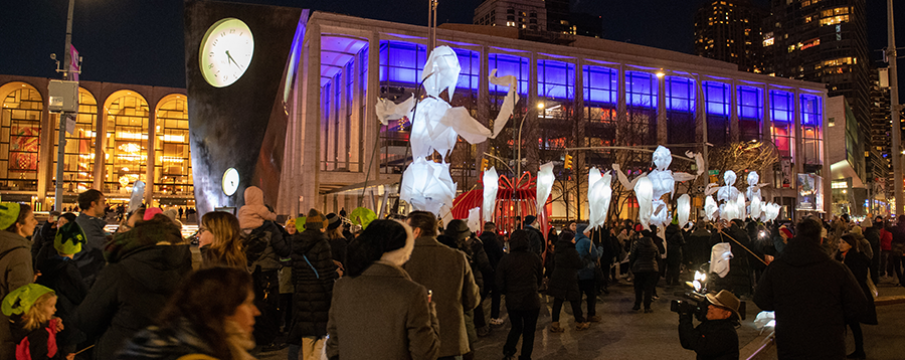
{"x": 152, "y": 152}
{"x": 767, "y": 136}
{"x": 310, "y": 176}
{"x": 46, "y": 169}
{"x": 100, "y": 145}
{"x": 662, "y": 133}
{"x": 700, "y": 119}
{"x": 733, "y": 112}
{"x": 621, "y": 106}
{"x": 483, "y": 107}
{"x": 799, "y": 155}
{"x": 533, "y": 98}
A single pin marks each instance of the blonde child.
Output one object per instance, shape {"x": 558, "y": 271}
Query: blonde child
{"x": 34, "y": 328}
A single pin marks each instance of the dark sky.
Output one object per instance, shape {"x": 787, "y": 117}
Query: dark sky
{"x": 141, "y": 41}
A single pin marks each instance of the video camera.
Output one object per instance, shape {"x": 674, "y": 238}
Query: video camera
{"x": 697, "y": 300}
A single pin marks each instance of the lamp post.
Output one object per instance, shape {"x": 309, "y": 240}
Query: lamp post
{"x": 61, "y": 146}
{"x": 894, "y": 108}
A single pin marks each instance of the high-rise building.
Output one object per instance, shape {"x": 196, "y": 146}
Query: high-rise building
{"x": 558, "y": 16}
{"x": 878, "y": 167}
{"x": 730, "y": 30}
{"x": 521, "y": 14}
{"x": 587, "y": 25}
{"x": 824, "y": 41}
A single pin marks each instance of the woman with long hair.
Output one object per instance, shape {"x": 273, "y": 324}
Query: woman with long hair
{"x": 221, "y": 241}
{"x": 19, "y": 224}
{"x": 375, "y": 272}
{"x": 212, "y": 314}
{"x": 856, "y": 261}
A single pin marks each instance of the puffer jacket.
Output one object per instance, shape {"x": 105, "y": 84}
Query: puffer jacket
{"x": 519, "y": 275}
{"x": 644, "y": 255}
{"x": 313, "y": 275}
{"x": 674, "y": 243}
{"x": 134, "y": 287}
{"x": 564, "y": 282}
{"x": 164, "y": 344}
{"x": 588, "y": 252}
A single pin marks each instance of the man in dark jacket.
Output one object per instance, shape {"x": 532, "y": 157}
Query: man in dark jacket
{"x": 716, "y": 337}
{"x": 674, "y": 243}
{"x": 698, "y": 245}
{"x": 812, "y": 296}
{"x": 494, "y": 251}
{"x": 91, "y": 218}
{"x": 446, "y": 272}
{"x": 872, "y": 234}
{"x": 535, "y": 236}
{"x": 519, "y": 275}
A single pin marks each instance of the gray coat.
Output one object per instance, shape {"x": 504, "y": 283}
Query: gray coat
{"x": 15, "y": 262}
{"x": 382, "y": 314}
{"x": 446, "y": 272}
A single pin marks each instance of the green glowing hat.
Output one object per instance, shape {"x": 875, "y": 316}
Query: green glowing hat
{"x": 9, "y": 213}
{"x": 69, "y": 239}
{"x": 21, "y": 300}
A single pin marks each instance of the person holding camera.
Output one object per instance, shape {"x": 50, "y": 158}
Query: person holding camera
{"x": 715, "y": 338}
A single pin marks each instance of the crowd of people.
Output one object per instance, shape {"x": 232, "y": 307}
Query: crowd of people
{"x": 311, "y": 282}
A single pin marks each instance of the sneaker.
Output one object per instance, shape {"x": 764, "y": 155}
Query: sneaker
{"x": 496, "y": 322}
{"x": 857, "y": 355}
{"x": 582, "y": 326}
{"x": 594, "y": 319}
{"x": 555, "y": 328}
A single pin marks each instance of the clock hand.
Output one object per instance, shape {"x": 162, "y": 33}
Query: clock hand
{"x": 232, "y": 60}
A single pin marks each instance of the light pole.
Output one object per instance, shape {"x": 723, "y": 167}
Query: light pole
{"x": 61, "y": 146}
{"x": 894, "y": 108}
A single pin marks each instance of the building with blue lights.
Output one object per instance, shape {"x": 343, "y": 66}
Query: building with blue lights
{"x": 591, "y": 93}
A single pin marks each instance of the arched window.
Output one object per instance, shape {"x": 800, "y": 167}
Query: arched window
{"x": 20, "y": 132}
{"x": 173, "y": 165}
{"x": 78, "y": 170}
{"x": 126, "y": 155}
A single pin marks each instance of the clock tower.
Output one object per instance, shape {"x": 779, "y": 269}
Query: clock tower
{"x": 236, "y": 59}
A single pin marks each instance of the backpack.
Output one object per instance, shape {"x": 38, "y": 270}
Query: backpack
{"x": 255, "y": 244}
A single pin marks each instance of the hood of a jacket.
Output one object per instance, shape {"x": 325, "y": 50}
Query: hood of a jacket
{"x": 519, "y": 243}
{"x": 303, "y": 242}
{"x": 254, "y": 196}
{"x": 9, "y": 241}
{"x": 159, "y": 268}
{"x": 579, "y": 230}
{"x": 155, "y": 341}
{"x": 803, "y": 253}
{"x": 671, "y": 230}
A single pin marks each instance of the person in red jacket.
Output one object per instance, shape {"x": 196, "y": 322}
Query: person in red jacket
{"x": 885, "y": 249}
{"x": 34, "y": 328}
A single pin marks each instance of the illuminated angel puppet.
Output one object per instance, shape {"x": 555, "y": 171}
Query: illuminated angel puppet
{"x": 662, "y": 182}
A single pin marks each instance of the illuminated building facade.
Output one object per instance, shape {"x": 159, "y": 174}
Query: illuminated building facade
{"x": 593, "y": 93}
{"x": 114, "y": 123}
{"x": 730, "y": 30}
{"x": 521, "y": 14}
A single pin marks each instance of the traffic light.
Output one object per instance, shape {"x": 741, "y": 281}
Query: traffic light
{"x": 484, "y": 164}
{"x": 568, "y": 162}
{"x": 714, "y": 179}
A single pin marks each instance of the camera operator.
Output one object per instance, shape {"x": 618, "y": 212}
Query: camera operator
{"x": 715, "y": 338}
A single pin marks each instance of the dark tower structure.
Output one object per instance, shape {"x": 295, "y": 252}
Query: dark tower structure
{"x": 730, "y": 30}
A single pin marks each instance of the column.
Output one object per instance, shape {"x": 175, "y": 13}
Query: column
{"x": 700, "y": 112}
{"x": 621, "y": 107}
{"x": 533, "y": 98}
{"x": 310, "y": 176}
{"x": 799, "y": 156}
{"x": 372, "y": 126}
{"x": 733, "y": 112}
{"x": 152, "y": 152}
{"x": 45, "y": 153}
{"x": 662, "y": 133}
{"x": 767, "y": 136}
{"x": 483, "y": 109}
{"x": 100, "y": 144}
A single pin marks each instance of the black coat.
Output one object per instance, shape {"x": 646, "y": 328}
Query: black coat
{"x": 712, "y": 340}
{"x": 564, "y": 282}
{"x": 129, "y": 294}
{"x": 698, "y": 247}
{"x": 492, "y": 247}
{"x": 812, "y": 296}
{"x": 859, "y": 265}
{"x": 62, "y": 275}
{"x": 644, "y": 256}
{"x": 518, "y": 276}
{"x": 313, "y": 280}
{"x": 536, "y": 240}
{"x": 674, "y": 243}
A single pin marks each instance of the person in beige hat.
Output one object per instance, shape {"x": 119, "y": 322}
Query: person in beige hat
{"x": 716, "y": 337}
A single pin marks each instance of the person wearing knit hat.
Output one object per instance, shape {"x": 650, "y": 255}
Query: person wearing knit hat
{"x": 535, "y": 236}
{"x": 782, "y": 239}
{"x": 375, "y": 261}
{"x": 69, "y": 239}
{"x": 19, "y": 223}
{"x": 31, "y": 309}
{"x": 313, "y": 273}
{"x": 61, "y": 274}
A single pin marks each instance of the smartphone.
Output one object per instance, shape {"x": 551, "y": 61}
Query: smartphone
{"x": 430, "y": 294}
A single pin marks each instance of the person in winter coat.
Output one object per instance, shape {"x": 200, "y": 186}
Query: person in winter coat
{"x": 62, "y": 276}
{"x": 645, "y": 265}
{"x": 221, "y": 242}
{"x": 494, "y": 249}
{"x": 898, "y": 249}
{"x": 872, "y": 234}
{"x": 739, "y": 278}
{"x": 519, "y": 275}
{"x": 211, "y": 315}
{"x": 145, "y": 266}
{"x": 31, "y": 309}
{"x": 403, "y": 324}
{"x": 674, "y": 243}
{"x": 698, "y": 245}
{"x": 716, "y": 337}
{"x": 858, "y": 263}
{"x": 863, "y": 245}
{"x": 265, "y": 245}
{"x": 457, "y": 235}
{"x": 812, "y": 296}
{"x": 313, "y": 276}
{"x": 43, "y": 248}
{"x": 338, "y": 242}
{"x": 446, "y": 273}
{"x": 587, "y": 283}
{"x": 535, "y": 236}
{"x": 92, "y": 205}
{"x": 17, "y": 222}
{"x": 564, "y": 282}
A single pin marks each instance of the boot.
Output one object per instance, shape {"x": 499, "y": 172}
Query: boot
{"x": 595, "y": 319}
{"x": 582, "y": 326}
{"x": 555, "y": 328}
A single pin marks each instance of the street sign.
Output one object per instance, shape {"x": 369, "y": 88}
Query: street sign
{"x": 713, "y": 172}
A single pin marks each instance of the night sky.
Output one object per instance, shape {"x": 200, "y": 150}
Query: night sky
{"x": 141, "y": 41}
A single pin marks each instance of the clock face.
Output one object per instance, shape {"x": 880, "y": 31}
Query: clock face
{"x": 230, "y": 181}
{"x": 226, "y": 51}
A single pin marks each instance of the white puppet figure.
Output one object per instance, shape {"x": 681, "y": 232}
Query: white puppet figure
{"x": 756, "y": 207}
{"x": 740, "y": 204}
{"x": 726, "y": 195}
{"x": 599, "y": 195}
{"x": 710, "y": 208}
{"x": 683, "y": 209}
{"x": 662, "y": 180}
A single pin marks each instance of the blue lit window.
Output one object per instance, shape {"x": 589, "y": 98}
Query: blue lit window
{"x": 509, "y": 65}
{"x": 401, "y": 63}
{"x": 601, "y": 92}
{"x": 717, "y": 97}
{"x": 555, "y": 80}
{"x": 470, "y": 62}
{"x": 782, "y": 109}
{"x": 680, "y": 106}
{"x": 811, "y": 119}
{"x": 641, "y": 89}
{"x": 810, "y": 110}
{"x": 750, "y": 112}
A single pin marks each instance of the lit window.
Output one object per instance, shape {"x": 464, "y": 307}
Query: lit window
{"x": 834, "y": 20}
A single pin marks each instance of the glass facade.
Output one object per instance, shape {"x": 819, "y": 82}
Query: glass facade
{"x": 173, "y": 161}
{"x": 506, "y": 65}
{"x": 127, "y": 140}
{"x": 680, "y": 110}
{"x": 556, "y": 88}
{"x": 78, "y": 170}
{"x": 718, "y": 96}
{"x": 811, "y": 120}
{"x": 782, "y": 111}
{"x": 750, "y": 113}
{"x": 20, "y": 132}
{"x": 641, "y": 100}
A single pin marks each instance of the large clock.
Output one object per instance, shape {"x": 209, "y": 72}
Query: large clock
{"x": 226, "y": 51}
{"x": 230, "y": 181}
